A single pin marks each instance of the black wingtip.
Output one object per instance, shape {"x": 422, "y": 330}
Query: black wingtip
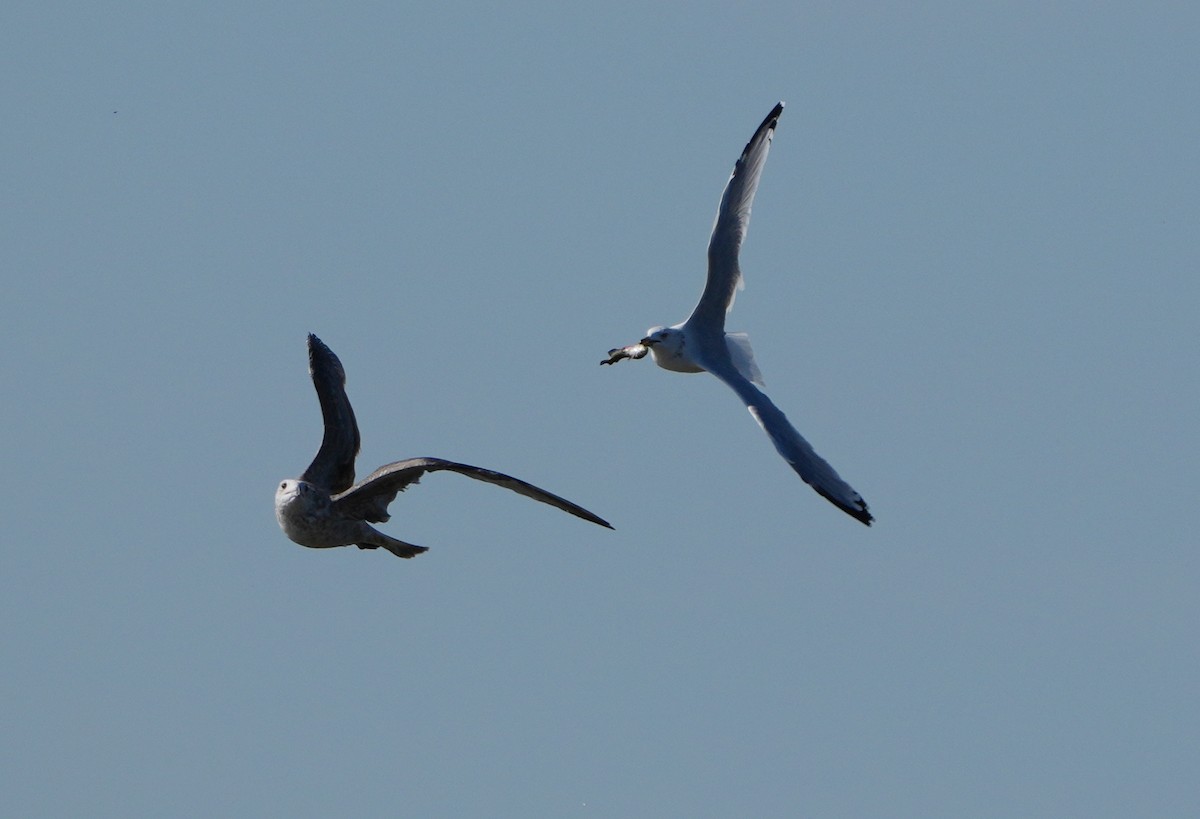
{"x": 319, "y": 349}
{"x": 859, "y": 511}
{"x": 772, "y": 118}
{"x": 591, "y": 517}
{"x": 767, "y": 127}
{"x": 861, "y": 515}
{"x": 315, "y": 346}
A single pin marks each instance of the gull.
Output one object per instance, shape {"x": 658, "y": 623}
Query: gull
{"x": 700, "y": 344}
{"x": 324, "y": 508}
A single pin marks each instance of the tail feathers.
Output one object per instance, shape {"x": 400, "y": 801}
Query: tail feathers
{"x": 742, "y": 356}
{"x": 397, "y": 547}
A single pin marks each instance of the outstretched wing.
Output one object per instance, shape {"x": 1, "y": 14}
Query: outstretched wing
{"x": 729, "y": 229}
{"x": 811, "y": 467}
{"x": 369, "y": 499}
{"x": 333, "y": 467}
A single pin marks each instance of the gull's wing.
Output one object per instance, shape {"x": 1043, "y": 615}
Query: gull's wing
{"x": 810, "y": 466}
{"x": 729, "y": 229}
{"x": 333, "y": 467}
{"x": 369, "y": 499}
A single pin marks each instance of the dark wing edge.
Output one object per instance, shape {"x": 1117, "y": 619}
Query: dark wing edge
{"x": 369, "y": 499}
{"x": 333, "y": 466}
{"x": 732, "y": 221}
{"x": 793, "y": 448}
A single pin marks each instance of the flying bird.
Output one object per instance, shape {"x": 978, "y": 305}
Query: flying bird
{"x": 700, "y": 344}
{"x": 324, "y": 508}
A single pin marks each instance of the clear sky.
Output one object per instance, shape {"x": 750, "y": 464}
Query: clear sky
{"x": 971, "y": 283}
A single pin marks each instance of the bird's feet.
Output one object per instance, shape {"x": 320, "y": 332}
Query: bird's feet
{"x": 632, "y": 351}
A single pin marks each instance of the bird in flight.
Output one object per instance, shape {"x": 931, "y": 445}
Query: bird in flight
{"x": 700, "y": 344}
{"x": 324, "y": 508}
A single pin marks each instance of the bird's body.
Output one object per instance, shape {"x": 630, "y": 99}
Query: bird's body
{"x": 307, "y": 517}
{"x": 701, "y": 344}
{"x": 324, "y": 508}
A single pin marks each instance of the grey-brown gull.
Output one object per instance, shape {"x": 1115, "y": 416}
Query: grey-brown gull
{"x": 324, "y": 508}
{"x": 700, "y": 344}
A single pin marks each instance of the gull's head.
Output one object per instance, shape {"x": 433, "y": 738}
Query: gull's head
{"x": 292, "y": 491}
{"x": 668, "y": 347}
{"x": 664, "y": 341}
{"x": 658, "y": 335}
{"x": 299, "y": 507}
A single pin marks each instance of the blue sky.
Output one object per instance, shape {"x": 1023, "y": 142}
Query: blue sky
{"x": 971, "y": 283}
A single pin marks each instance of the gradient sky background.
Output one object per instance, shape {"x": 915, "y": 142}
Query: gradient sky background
{"x": 971, "y": 282}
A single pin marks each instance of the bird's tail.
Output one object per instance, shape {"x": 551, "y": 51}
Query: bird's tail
{"x": 397, "y": 547}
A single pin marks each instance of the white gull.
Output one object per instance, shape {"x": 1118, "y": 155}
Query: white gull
{"x": 700, "y": 344}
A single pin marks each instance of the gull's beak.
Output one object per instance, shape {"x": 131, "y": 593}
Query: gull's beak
{"x": 649, "y": 342}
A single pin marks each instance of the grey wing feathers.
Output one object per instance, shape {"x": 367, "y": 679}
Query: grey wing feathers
{"x": 370, "y": 498}
{"x": 729, "y": 228}
{"x": 790, "y": 444}
{"x": 333, "y": 466}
